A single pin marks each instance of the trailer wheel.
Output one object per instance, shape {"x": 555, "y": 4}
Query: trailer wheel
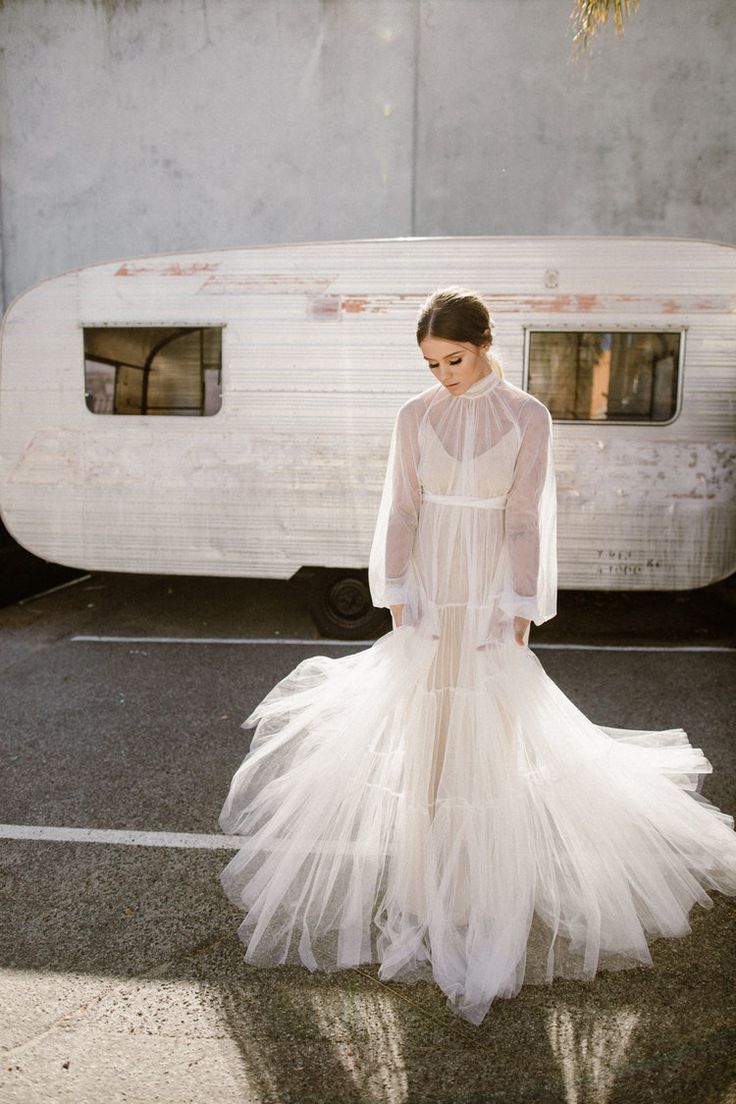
{"x": 340, "y": 605}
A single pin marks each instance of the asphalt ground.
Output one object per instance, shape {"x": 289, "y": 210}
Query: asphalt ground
{"x": 121, "y": 974}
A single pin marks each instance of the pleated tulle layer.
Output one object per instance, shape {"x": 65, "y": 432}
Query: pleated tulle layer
{"x": 449, "y": 813}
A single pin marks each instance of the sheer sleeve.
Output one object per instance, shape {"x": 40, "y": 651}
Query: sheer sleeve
{"x": 389, "y": 566}
{"x": 529, "y": 587}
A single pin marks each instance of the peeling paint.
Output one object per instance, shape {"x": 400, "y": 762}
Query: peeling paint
{"x": 325, "y": 306}
{"x": 266, "y": 283}
{"x": 357, "y": 304}
{"x": 301, "y": 446}
{"x": 649, "y": 475}
{"x": 505, "y": 304}
{"x": 585, "y": 304}
{"x": 171, "y": 269}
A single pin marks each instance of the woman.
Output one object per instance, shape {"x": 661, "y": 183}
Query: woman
{"x": 435, "y": 803}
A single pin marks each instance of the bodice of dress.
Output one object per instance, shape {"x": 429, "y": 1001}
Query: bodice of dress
{"x": 468, "y": 508}
{"x": 487, "y": 475}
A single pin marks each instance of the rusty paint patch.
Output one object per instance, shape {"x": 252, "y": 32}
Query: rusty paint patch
{"x": 582, "y": 304}
{"x": 356, "y": 304}
{"x": 325, "y": 306}
{"x": 586, "y": 302}
{"x": 172, "y": 269}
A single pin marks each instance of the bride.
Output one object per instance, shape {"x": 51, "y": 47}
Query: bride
{"x": 434, "y": 803}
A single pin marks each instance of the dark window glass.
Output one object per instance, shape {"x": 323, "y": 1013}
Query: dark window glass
{"x": 599, "y": 376}
{"x": 153, "y": 369}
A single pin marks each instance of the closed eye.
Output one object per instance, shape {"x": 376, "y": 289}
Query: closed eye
{"x": 452, "y": 362}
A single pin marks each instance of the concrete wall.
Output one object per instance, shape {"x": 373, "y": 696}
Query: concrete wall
{"x": 130, "y": 128}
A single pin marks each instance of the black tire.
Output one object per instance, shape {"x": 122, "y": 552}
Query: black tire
{"x": 340, "y": 605}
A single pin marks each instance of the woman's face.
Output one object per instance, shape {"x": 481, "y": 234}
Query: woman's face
{"x": 456, "y": 364}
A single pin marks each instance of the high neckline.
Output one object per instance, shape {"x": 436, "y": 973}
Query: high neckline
{"x": 485, "y": 383}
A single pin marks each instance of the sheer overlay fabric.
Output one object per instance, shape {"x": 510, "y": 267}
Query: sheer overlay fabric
{"x": 468, "y": 513}
{"x": 435, "y": 803}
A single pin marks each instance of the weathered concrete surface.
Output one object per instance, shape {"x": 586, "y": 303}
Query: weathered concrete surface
{"x": 132, "y": 128}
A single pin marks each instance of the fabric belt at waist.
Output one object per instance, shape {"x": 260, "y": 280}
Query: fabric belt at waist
{"x": 460, "y": 500}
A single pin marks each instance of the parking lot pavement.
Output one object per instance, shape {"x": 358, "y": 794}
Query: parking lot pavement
{"x": 122, "y": 977}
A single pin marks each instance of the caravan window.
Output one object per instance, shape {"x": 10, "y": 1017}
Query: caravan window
{"x": 153, "y": 369}
{"x": 593, "y": 375}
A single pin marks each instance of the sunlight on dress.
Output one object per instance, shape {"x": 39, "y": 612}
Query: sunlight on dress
{"x": 435, "y": 803}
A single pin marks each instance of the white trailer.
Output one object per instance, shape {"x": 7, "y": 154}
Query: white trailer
{"x": 228, "y": 412}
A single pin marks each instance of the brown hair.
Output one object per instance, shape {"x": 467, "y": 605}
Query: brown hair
{"x": 457, "y": 314}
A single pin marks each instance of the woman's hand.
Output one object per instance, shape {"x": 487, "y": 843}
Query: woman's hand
{"x": 521, "y": 624}
{"x": 500, "y": 632}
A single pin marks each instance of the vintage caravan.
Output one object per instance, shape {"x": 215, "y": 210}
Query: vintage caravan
{"x": 228, "y": 412}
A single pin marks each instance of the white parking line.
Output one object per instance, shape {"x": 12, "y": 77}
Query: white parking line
{"x": 187, "y": 840}
{"x": 356, "y": 643}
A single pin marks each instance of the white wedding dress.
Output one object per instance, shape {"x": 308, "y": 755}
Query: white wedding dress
{"x": 435, "y": 803}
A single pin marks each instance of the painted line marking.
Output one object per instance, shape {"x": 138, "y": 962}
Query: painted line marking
{"x": 356, "y": 643}
{"x": 189, "y": 840}
{"x": 186, "y": 840}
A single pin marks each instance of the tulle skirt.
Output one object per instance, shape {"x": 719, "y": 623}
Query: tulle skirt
{"x": 446, "y": 811}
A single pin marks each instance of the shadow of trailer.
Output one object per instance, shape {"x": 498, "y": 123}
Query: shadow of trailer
{"x": 228, "y": 412}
